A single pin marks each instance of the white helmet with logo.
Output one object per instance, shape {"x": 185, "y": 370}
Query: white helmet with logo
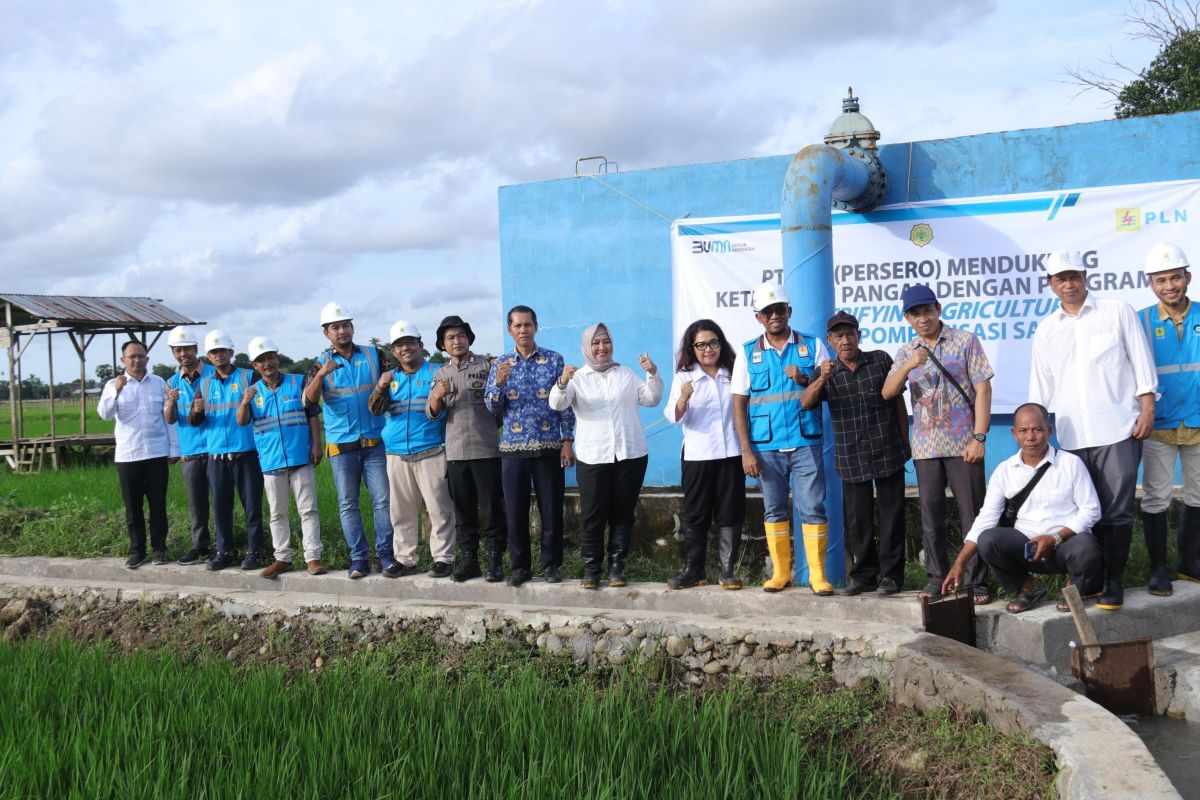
{"x": 1064, "y": 261}
{"x": 402, "y": 330}
{"x": 333, "y": 312}
{"x": 1164, "y": 256}
{"x": 260, "y": 345}
{"x": 769, "y": 294}
{"x": 181, "y": 336}
{"x": 216, "y": 340}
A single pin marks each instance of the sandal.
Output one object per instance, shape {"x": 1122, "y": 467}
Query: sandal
{"x": 1062, "y": 606}
{"x": 981, "y": 595}
{"x": 930, "y": 591}
{"x": 1025, "y": 600}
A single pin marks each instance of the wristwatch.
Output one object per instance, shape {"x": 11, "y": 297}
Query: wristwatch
{"x": 980, "y": 437}
{"x": 1057, "y": 539}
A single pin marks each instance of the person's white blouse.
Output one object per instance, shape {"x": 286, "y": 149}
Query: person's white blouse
{"x": 607, "y": 425}
{"x": 708, "y": 431}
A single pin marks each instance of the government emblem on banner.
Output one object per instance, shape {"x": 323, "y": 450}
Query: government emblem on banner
{"x": 921, "y": 234}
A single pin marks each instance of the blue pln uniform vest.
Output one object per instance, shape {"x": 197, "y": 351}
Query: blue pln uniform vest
{"x": 1178, "y": 367}
{"x": 777, "y": 420}
{"x": 191, "y": 437}
{"x": 346, "y": 391}
{"x": 221, "y": 399}
{"x": 281, "y": 425}
{"x": 408, "y": 429}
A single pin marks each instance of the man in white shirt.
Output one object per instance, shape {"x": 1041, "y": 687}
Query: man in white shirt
{"x": 1093, "y": 368}
{"x": 1056, "y": 516}
{"x": 144, "y": 443}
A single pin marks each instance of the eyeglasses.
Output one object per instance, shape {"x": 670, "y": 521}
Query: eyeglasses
{"x": 711, "y": 344}
{"x": 777, "y": 310}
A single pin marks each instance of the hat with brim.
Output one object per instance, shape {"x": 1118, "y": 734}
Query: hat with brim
{"x": 917, "y": 295}
{"x": 453, "y": 321}
{"x": 841, "y": 318}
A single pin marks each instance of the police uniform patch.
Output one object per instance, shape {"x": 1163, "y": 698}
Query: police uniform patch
{"x": 477, "y": 393}
{"x": 512, "y": 394}
{"x": 476, "y": 384}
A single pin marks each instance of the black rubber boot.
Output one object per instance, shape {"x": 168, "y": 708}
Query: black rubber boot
{"x": 495, "y": 567}
{"x": 618, "y": 547}
{"x": 591, "y": 547}
{"x": 1189, "y": 544}
{"x": 1154, "y": 526}
{"x": 468, "y": 566}
{"x": 728, "y": 542}
{"x": 696, "y": 546}
{"x": 1114, "y": 545}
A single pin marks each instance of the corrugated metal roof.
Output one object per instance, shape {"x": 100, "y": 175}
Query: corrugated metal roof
{"x": 94, "y": 311}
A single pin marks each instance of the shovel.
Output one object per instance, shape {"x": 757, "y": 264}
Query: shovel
{"x": 1116, "y": 675}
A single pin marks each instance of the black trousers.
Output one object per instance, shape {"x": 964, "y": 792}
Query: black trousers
{"x": 714, "y": 489}
{"x": 967, "y": 483}
{"x": 144, "y": 481}
{"x": 477, "y": 491}
{"x": 608, "y": 498}
{"x": 244, "y": 476}
{"x": 544, "y": 474}
{"x": 1079, "y": 556}
{"x": 195, "y": 482}
{"x": 867, "y": 563}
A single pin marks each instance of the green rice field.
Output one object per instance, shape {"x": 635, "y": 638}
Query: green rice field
{"x": 86, "y": 722}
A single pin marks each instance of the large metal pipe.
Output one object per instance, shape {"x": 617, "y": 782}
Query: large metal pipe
{"x": 820, "y": 177}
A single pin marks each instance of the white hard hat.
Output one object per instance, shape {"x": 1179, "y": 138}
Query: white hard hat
{"x": 181, "y": 336}
{"x": 216, "y": 340}
{"x": 333, "y": 312}
{"x": 260, "y": 345}
{"x": 769, "y": 294}
{"x": 1064, "y": 261}
{"x": 1164, "y": 256}
{"x": 401, "y": 330}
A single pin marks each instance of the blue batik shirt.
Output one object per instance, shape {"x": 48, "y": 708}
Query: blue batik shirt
{"x": 528, "y": 424}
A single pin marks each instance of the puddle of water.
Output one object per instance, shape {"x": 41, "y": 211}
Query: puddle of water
{"x": 1174, "y": 744}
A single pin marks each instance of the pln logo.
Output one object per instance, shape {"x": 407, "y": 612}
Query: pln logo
{"x": 1134, "y": 219}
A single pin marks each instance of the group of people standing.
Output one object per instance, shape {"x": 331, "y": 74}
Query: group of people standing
{"x": 471, "y": 439}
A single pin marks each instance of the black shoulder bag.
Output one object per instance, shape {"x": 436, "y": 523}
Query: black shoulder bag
{"x": 1012, "y": 505}
{"x": 937, "y": 363}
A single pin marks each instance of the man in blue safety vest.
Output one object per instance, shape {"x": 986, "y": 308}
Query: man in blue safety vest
{"x": 1172, "y": 327}
{"x": 289, "y": 448}
{"x": 232, "y": 459}
{"x": 344, "y": 375}
{"x": 416, "y": 453}
{"x": 181, "y": 391}
{"x": 780, "y": 441}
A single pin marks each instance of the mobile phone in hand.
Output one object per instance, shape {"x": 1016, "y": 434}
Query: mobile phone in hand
{"x": 1030, "y": 550}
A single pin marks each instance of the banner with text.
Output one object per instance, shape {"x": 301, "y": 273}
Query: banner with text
{"x": 982, "y": 256}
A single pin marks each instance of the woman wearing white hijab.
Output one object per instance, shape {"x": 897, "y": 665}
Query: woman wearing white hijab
{"x": 610, "y": 448}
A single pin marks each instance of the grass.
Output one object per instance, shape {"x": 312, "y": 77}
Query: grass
{"x": 36, "y": 418}
{"x": 86, "y": 722}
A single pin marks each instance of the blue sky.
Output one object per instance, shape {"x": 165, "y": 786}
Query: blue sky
{"x": 249, "y": 164}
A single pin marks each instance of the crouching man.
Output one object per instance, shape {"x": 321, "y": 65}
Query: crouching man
{"x": 1055, "y": 506}
{"x": 288, "y": 440}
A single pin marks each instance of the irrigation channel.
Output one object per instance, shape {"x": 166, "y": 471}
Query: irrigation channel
{"x": 619, "y": 686}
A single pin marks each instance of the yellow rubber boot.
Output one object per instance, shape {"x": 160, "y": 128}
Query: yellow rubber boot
{"x": 779, "y": 545}
{"x": 814, "y": 551}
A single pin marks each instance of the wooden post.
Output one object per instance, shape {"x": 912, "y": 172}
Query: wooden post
{"x": 12, "y": 374}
